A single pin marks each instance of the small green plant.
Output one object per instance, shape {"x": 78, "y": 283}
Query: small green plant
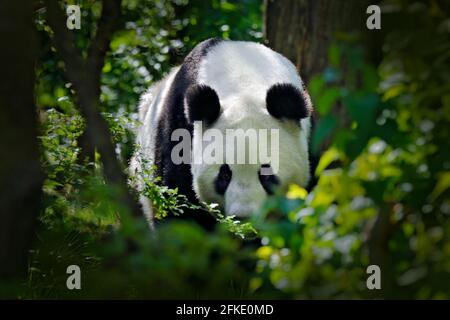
{"x": 165, "y": 200}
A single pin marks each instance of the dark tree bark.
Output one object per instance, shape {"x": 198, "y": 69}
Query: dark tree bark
{"x": 20, "y": 172}
{"x": 303, "y": 30}
{"x": 85, "y": 74}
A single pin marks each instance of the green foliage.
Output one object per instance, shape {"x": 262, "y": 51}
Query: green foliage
{"x": 387, "y": 130}
{"x": 167, "y": 201}
{"x": 384, "y": 129}
{"x": 155, "y": 36}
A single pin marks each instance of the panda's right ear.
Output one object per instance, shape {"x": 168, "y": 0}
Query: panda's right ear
{"x": 286, "y": 101}
{"x": 201, "y": 104}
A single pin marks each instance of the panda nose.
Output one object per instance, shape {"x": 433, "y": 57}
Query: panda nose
{"x": 243, "y": 185}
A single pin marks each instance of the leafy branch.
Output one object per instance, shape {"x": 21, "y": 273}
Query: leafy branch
{"x": 85, "y": 75}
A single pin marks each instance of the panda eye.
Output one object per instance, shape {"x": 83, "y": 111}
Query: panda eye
{"x": 223, "y": 179}
{"x": 268, "y": 181}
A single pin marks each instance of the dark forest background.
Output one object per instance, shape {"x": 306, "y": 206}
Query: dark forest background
{"x": 68, "y": 102}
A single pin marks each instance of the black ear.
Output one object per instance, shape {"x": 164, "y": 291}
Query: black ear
{"x": 201, "y": 104}
{"x": 285, "y": 101}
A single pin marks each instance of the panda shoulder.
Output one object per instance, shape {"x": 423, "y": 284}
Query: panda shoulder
{"x": 154, "y": 93}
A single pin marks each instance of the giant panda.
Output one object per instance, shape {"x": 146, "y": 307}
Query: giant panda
{"x": 224, "y": 85}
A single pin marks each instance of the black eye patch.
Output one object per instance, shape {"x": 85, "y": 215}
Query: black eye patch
{"x": 223, "y": 179}
{"x": 268, "y": 182}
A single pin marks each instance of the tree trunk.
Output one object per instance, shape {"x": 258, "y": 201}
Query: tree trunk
{"x": 302, "y": 30}
{"x": 20, "y": 171}
{"x": 85, "y": 75}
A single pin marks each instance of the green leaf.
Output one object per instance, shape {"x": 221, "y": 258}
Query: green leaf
{"x": 327, "y": 158}
{"x": 334, "y": 55}
{"x": 324, "y": 129}
{"x": 326, "y": 101}
{"x": 442, "y": 184}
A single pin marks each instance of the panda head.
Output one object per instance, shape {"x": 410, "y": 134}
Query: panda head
{"x": 240, "y": 188}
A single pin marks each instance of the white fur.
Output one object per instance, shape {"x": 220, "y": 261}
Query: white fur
{"x": 241, "y": 73}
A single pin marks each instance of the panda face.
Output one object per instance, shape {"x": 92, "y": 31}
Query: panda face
{"x": 223, "y": 179}
{"x": 244, "y": 193}
{"x": 241, "y": 188}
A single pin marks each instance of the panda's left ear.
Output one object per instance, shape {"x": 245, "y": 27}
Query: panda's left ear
{"x": 201, "y": 104}
{"x": 285, "y": 101}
